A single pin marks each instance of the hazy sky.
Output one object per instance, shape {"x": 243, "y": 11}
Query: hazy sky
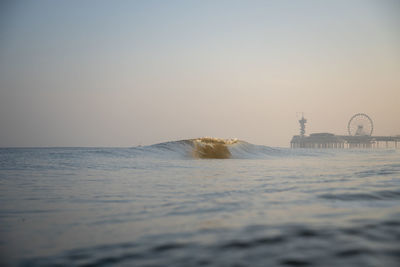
{"x": 124, "y": 73}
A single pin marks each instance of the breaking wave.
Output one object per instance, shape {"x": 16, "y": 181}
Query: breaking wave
{"x": 210, "y": 148}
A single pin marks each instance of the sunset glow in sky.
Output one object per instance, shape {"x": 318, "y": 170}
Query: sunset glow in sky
{"x": 124, "y": 73}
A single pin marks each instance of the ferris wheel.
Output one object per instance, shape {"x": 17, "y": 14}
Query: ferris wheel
{"x": 360, "y": 125}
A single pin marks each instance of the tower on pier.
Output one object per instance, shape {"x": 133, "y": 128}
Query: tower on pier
{"x": 302, "y": 125}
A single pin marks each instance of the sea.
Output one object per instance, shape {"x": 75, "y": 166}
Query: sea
{"x": 199, "y": 202}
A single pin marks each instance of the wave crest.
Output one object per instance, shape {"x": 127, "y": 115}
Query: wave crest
{"x": 208, "y": 148}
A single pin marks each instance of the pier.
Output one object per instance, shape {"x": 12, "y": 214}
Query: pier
{"x": 360, "y": 128}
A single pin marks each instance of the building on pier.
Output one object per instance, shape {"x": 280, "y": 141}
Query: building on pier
{"x": 317, "y": 140}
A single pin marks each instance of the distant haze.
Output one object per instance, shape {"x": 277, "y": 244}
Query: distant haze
{"x": 127, "y": 73}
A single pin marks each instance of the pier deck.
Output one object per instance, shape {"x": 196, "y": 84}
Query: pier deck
{"x": 329, "y": 140}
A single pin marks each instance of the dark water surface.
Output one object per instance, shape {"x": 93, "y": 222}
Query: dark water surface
{"x": 159, "y": 206}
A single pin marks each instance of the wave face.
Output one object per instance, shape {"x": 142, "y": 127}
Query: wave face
{"x": 209, "y": 148}
{"x": 213, "y": 148}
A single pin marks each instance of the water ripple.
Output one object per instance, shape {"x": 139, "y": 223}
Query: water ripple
{"x": 377, "y": 195}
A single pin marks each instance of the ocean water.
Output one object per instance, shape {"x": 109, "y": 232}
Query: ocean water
{"x": 201, "y": 202}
